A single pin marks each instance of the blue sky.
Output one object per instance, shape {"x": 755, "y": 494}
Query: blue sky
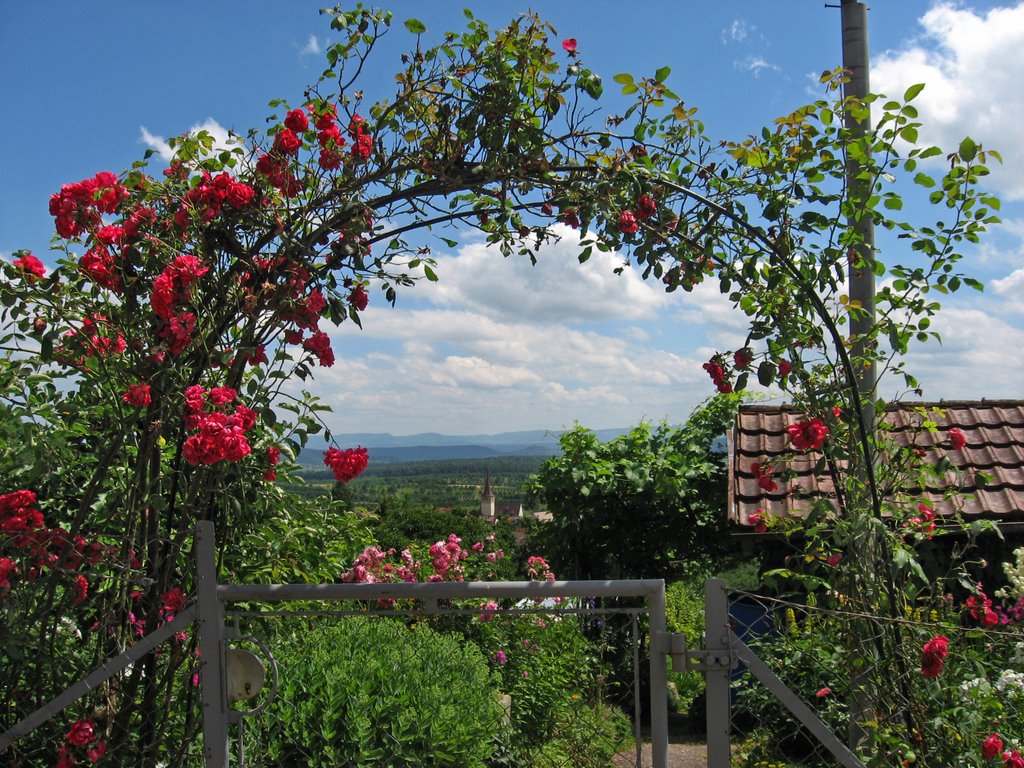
{"x": 495, "y": 345}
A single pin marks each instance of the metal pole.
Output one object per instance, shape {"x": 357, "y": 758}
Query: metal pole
{"x": 211, "y": 649}
{"x": 716, "y": 638}
{"x": 659, "y": 681}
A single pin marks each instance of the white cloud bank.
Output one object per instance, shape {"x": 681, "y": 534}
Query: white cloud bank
{"x": 971, "y": 63}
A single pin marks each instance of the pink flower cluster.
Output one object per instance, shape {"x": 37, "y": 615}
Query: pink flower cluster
{"x": 346, "y": 464}
{"x": 449, "y": 561}
{"x": 273, "y": 457}
{"x": 362, "y": 141}
{"x": 923, "y": 522}
{"x": 79, "y": 206}
{"x": 219, "y": 435}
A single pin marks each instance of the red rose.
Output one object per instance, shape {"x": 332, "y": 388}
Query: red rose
{"x": 296, "y": 121}
{"x": 933, "y": 655}
{"x": 823, "y": 692}
{"x": 1013, "y": 759}
{"x": 957, "y": 439}
{"x": 358, "y": 298}
{"x": 992, "y": 747}
{"x": 287, "y": 143}
{"x": 138, "y": 395}
{"x": 30, "y": 265}
{"x": 569, "y": 45}
{"x": 645, "y": 207}
{"x": 742, "y": 357}
{"x": 785, "y": 367}
{"x": 763, "y": 473}
{"x": 807, "y": 435}
{"x": 81, "y": 733}
{"x": 628, "y": 223}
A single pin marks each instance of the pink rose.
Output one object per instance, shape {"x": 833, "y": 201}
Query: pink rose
{"x": 569, "y": 45}
{"x": 957, "y": 439}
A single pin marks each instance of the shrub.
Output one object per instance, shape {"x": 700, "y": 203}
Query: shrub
{"x": 372, "y": 692}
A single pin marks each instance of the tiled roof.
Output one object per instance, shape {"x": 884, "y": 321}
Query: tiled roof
{"x": 995, "y": 446}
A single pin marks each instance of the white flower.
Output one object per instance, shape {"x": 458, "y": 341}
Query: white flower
{"x": 1011, "y": 683}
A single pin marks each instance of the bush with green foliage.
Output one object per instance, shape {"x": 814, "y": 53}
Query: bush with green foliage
{"x": 371, "y": 691}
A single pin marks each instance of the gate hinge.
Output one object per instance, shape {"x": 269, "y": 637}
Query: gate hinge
{"x": 673, "y": 644}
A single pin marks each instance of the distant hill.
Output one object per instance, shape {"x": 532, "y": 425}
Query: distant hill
{"x": 427, "y": 446}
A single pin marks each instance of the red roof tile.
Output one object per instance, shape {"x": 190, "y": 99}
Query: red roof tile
{"x": 995, "y": 445}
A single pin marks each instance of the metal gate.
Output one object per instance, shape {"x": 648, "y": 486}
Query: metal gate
{"x": 230, "y": 674}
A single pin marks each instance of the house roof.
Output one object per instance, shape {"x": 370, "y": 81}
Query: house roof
{"x": 994, "y": 430}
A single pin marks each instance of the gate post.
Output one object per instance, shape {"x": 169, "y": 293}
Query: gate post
{"x": 211, "y": 649}
{"x": 659, "y": 680}
{"x": 717, "y": 671}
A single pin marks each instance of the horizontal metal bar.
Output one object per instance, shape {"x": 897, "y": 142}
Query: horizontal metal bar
{"x": 554, "y": 613}
{"x": 112, "y": 667}
{"x": 439, "y": 590}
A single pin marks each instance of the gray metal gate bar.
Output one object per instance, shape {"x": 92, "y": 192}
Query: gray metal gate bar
{"x": 111, "y": 667}
{"x": 211, "y": 649}
{"x": 795, "y": 704}
{"x": 717, "y": 672}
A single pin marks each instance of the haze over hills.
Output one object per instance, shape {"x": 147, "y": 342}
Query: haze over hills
{"x": 385, "y": 447}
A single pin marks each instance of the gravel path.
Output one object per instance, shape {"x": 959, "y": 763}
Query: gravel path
{"x": 682, "y": 755}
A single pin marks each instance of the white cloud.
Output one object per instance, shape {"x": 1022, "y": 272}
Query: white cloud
{"x": 1011, "y": 288}
{"x": 557, "y": 289}
{"x": 222, "y": 138}
{"x": 737, "y": 32}
{"x": 313, "y": 47}
{"x": 756, "y": 64}
{"x": 977, "y": 357}
{"x": 971, "y": 63}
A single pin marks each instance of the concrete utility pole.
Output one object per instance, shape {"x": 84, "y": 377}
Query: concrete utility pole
{"x": 861, "y": 279}
{"x": 861, "y": 291}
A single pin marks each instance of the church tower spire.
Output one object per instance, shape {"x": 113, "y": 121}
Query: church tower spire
{"x": 487, "y": 500}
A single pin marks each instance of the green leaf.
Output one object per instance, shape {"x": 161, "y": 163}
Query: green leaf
{"x": 968, "y": 149}
{"x": 912, "y": 91}
{"x": 415, "y": 26}
{"x": 662, "y": 74}
{"x": 624, "y": 78}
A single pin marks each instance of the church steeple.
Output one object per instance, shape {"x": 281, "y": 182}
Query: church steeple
{"x": 487, "y": 500}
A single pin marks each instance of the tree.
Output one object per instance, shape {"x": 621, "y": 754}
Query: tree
{"x": 152, "y": 379}
{"x": 640, "y": 505}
